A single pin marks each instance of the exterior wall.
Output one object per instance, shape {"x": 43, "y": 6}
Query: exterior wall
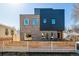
{"x": 57, "y": 15}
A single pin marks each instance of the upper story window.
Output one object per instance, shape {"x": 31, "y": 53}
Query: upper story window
{"x": 26, "y": 21}
{"x": 12, "y": 32}
{"x": 6, "y": 32}
{"x": 44, "y": 20}
{"x": 35, "y": 21}
{"x": 53, "y": 21}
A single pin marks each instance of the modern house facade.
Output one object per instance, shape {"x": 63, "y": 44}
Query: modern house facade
{"x": 46, "y": 22}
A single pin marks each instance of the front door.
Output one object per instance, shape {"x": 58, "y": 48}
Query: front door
{"x": 58, "y": 35}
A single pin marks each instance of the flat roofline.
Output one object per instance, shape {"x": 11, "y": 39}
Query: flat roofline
{"x": 43, "y": 8}
{"x": 48, "y": 8}
{"x": 29, "y": 15}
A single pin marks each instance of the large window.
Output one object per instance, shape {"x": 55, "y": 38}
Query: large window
{"x": 26, "y": 21}
{"x": 44, "y": 20}
{"x": 53, "y": 21}
{"x": 35, "y": 21}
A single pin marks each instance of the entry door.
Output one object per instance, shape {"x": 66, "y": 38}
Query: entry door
{"x": 58, "y": 35}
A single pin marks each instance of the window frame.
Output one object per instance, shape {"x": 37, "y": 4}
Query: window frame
{"x": 26, "y": 19}
{"x": 35, "y": 21}
{"x": 44, "y": 20}
{"x": 53, "y": 21}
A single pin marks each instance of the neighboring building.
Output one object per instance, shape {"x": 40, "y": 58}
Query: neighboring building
{"x": 44, "y": 23}
{"x": 7, "y": 32}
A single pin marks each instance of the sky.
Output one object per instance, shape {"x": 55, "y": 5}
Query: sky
{"x": 10, "y": 13}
